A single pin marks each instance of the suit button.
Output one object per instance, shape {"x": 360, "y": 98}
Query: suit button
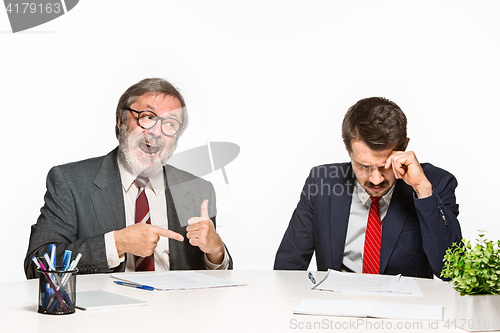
{"x": 443, "y": 217}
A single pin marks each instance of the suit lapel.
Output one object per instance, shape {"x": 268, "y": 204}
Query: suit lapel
{"x": 340, "y": 211}
{"x": 107, "y": 198}
{"x": 179, "y": 192}
{"x": 394, "y": 221}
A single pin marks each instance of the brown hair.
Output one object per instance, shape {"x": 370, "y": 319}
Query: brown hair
{"x": 150, "y": 85}
{"x": 376, "y": 121}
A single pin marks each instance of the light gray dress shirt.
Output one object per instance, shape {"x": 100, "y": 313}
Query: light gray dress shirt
{"x": 356, "y": 229}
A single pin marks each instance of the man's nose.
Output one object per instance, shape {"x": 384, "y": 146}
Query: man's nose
{"x": 156, "y": 129}
{"x": 376, "y": 176}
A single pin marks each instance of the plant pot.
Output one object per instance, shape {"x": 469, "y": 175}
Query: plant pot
{"x": 477, "y": 312}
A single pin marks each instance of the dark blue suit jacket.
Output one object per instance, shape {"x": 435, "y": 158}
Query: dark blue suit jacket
{"x": 415, "y": 232}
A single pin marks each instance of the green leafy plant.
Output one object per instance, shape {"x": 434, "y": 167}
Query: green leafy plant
{"x": 474, "y": 270}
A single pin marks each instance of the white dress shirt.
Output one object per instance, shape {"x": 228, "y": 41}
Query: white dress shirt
{"x": 155, "y": 192}
{"x": 356, "y": 229}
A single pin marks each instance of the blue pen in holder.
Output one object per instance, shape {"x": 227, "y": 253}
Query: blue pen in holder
{"x": 57, "y": 291}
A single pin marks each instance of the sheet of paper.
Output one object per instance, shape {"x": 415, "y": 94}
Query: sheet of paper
{"x": 103, "y": 299}
{"x": 339, "y": 281}
{"x": 406, "y": 285}
{"x": 175, "y": 280}
{"x": 323, "y": 307}
{"x": 368, "y": 283}
{"x": 406, "y": 311}
{"x": 369, "y": 309}
{"x": 415, "y": 289}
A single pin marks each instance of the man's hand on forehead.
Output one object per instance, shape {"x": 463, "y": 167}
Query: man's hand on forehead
{"x": 399, "y": 161}
{"x": 406, "y": 167}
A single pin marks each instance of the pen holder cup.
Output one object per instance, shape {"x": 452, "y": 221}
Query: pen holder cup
{"x": 57, "y": 292}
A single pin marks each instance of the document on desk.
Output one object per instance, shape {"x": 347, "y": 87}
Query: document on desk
{"x": 369, "y": 309}
{"x": 103, "y": 299}
{"x": 175, "y": 280}
{"x": 368, "y": 283}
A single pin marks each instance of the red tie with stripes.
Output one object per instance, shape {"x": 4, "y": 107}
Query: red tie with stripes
{"x": 373, "y": 239}
{"x": 142, "y": 215}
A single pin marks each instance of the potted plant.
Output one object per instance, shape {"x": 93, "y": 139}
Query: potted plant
{"x": 475, "y": 274}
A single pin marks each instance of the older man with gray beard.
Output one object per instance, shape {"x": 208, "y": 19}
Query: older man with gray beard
{"x": 130, "y": 210}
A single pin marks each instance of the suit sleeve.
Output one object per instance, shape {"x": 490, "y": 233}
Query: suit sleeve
{"x": 58, "y": 224}
{"x": 438, "y": 220}
{"x": 297, "y": 245}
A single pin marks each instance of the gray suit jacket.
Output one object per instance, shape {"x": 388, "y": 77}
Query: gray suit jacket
{"x": 84, "y": 200}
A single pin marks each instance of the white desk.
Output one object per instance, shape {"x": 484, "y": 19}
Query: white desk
{"x": 264, "y": 304}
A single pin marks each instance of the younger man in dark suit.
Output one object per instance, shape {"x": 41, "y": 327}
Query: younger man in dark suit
{"x": 382, "y": 213}
{"x": 128, "y": 210}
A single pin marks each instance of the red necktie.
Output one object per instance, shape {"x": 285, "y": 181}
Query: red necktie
{"x": 373, "y": 239}
{"x": 142, "y": 215}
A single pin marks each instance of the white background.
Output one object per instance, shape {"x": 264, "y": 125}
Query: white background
{"x": 274, "y": 77}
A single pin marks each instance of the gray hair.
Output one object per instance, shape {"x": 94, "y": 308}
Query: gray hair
{"x": 154, "y": 86}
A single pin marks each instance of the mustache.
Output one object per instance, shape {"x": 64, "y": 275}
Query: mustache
{"x": 369, "y": 184}
{"x": 148, "y": 138}
{"x": 151, "y": 140}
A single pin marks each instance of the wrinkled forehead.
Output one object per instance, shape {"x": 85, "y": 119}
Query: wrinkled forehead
{"x": 365, "y": 156}
{"x": 161, "y": 104}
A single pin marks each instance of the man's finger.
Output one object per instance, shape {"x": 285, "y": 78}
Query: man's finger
{"x": 196, "y": 219}
{"x": 168, "y": 233}
{"x": 400, "y": 166}
{"x": 405, "y": 168}
{"x": 388, "y": 163}
{"x": 398, "y": 170}
{"x": 204, "y": 209}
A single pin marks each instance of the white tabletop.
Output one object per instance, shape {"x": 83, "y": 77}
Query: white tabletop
{"x": 264, "y": 304}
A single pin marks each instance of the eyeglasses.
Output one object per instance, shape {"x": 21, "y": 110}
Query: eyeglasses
{"x": 148, "y": 119}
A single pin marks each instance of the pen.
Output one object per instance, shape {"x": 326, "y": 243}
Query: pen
{"x": 37, "y": 264}
{"x": 66, "y": 259}
{"x": 49, "y": 261}
{"x": 311, "y": 277}
{"x": 52, "y": 268}
{"x": 45, "y": 295}
{"x": 52, "y": 251}
{"x": 73, "y": 265}
{"x": 133, "y": 285}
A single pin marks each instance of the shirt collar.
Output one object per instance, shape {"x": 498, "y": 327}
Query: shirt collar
{"x": 365, "y": 197}
{"x": 128, "y": 178}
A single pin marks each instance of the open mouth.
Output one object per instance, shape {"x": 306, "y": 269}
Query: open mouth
{"x": 377, "y": 188}
{"x": 148, "y": 149}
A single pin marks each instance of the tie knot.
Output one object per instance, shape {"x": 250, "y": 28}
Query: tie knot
{"x": 375, "y": 200}
{"x": 141, "y": 181}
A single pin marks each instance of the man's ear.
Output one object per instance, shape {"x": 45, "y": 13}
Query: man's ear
{"x": 119, "y": 122}
{"x": 406, "y": 144}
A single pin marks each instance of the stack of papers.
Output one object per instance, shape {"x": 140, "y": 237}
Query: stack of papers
{"x": 175, "y": 280}
{"x": 369, "y": 283}
{"x": 369, "y": 309}
{"x": 373, "y": 285}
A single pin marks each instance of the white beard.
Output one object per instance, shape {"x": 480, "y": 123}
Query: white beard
{"x": 137, "y": 163}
